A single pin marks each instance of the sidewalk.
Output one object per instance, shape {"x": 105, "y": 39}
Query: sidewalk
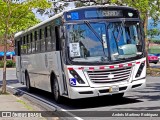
{"x": 12, "y": 103}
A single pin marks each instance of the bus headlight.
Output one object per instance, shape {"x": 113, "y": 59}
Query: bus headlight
{"x": 76, "y": 76}
{"x": 140, "y": 69}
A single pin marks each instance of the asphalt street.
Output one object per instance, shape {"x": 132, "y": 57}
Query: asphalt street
{"x": 145, "y": 99}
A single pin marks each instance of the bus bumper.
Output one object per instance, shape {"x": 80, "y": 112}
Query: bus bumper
{"x": 86, "y": 92}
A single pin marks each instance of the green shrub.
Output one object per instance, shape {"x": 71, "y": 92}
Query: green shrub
{"x": 9, "y": 64}
{"x": 1, "y": 64}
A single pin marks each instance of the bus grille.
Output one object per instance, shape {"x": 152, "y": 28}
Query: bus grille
{"x": 102, "y": 76}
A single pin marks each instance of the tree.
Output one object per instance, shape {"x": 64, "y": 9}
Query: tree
{"x": 15, "y": 16}
{"x": 91, "y": 2}
{"x": 153, "y": 32}
{"x": 57, "y": 7}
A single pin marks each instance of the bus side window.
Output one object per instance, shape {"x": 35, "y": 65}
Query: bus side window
{"x": 27, "y": 41}
{"x": 58, "y": 48}
{"x": 21, "y": 45}
{"x": 42, "y": 40}
{"x": 38, "y": 42}
{"x": 33, "y": 43}
{"x": 18, "y": 48}
{"x": 29, "y": 44}
{"x": 48, "y": 38}
{"x": 53, "y": 38}
{"x": 24, "y": 46}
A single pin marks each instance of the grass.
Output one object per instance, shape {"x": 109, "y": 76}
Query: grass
{"x": 153, "y": 72}
{"x": 6, "y": 93}
{"x": 25, "y": 105}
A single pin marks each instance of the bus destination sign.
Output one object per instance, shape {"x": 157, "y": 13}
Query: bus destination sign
{"x": 103, "y": 13}
{"x": 100, "y": 14}
{"x": 112, "y": 13}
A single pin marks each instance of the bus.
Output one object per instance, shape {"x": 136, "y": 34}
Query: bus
{"x": 84, "y": 52}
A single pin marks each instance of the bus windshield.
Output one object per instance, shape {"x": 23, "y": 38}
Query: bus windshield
{"x": 104, "y": 41}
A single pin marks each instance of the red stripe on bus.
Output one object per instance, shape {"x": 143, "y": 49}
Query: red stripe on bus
{"x": 70, "y": 68}
{"x": 111, "y": 67}
{"x": 91, "y": 68}
{"x": 102, "y": 67}
{"x": 120, "y": 65}
{"x": 137, "y": 62}
{"x": 129, "y": 64}
{"x": 81, "y": 68}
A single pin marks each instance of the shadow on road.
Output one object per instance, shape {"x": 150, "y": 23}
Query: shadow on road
{"x": 98, "y": 102}
{"x": 150, "y": 93}
{"x": 69, "y": 104}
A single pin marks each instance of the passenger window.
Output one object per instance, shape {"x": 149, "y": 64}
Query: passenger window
{"x": 38, "y": 44}
{"x": 49, "y": 43}
{"x": 42, "y": 40}
{"x": 57, "y": 39}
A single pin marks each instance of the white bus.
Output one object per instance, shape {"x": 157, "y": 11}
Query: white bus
{"x": 84, "y": 52}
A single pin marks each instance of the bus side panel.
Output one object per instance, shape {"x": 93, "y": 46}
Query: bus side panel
{"x": 38, "y": 73}
{"x": 40, "y": 66}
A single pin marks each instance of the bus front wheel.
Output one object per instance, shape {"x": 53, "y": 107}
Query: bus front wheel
{"x": 55, "y": 92}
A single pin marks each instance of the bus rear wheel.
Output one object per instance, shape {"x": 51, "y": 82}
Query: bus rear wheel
{"x": 29, "y": 88}
{"x": 55, "y": 91}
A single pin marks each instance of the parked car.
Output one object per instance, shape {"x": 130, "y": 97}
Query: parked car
{"x": 153, "y": 59}
{"x": 158, "y": 55}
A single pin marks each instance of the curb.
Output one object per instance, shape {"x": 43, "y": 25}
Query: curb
{"x": 8, "y": 68}
{"x": 44, "y": 106}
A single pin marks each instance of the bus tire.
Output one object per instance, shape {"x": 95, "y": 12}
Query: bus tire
{"x": 119, "y": 95}
{"x": 55, "y": 91}
{"x": 28, "y": 85}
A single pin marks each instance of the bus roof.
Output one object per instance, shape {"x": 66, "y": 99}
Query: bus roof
{"x": 60, "y": 14}
{"x": 101, "y": 6}
{"x": 40, "y": 24}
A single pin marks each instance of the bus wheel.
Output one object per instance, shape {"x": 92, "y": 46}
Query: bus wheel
{"x": 119, "y": 95}
{"x": 55, "y": 92}
{"x": 29, "y": 88}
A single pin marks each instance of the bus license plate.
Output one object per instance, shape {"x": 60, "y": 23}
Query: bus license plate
{"x": 114, "y": 89}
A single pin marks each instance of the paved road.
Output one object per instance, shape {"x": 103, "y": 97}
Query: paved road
{"x": 145, "y": 99}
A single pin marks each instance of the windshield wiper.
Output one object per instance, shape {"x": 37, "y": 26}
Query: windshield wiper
{"x": 96, "y": 34}
{"x": 120, "y": 31}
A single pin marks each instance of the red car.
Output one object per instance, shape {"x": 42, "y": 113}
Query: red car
{"x": 153, "y": 59}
